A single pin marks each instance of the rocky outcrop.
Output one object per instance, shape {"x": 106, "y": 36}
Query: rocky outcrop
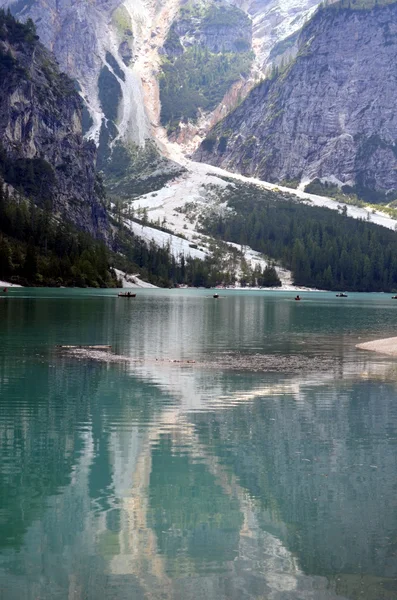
{"x": 329, "y": 114}
{"x": 82, "y": 36}
{"x": 217, "y": 26}
{"x": 110, "y": 48}
{"x": 43, "y": 152}
{"x": 275, "y": 21}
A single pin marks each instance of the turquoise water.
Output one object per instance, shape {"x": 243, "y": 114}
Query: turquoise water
{"x": 246, "y": 450}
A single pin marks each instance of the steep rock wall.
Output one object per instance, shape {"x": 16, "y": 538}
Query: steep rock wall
{"x": 273, "y": 21}
{"x": 330, "y": 113}
{"x": 42, "y": 147}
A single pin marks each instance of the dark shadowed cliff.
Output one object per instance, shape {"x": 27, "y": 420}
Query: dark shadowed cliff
{"x": 42, "y": 151}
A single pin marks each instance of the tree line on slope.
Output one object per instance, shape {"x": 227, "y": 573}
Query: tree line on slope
{"x": 322, "y": 248}
{"x": 158, "y": 266}
{"x": 198, "y": 79}
{"x": 36, "y": 249}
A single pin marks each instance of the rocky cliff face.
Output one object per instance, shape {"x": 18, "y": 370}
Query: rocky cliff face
{"x": 43, "y": 152}
{"x": 273, "y": 22}
{"x": 79, "y": 35}
{"x": 106, "y": 46}
{"x": 122, "y": 41}
{"x": 329, "y": 114}
{"x": 217, "y": 26}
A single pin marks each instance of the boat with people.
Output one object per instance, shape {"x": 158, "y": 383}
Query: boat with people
{"x": 126, "y": 295}
{"x": 216, "y": 296}
{"x": 394, "y": 297}
{"x": 297, "y": 297}
{"x": 341, "y": 295}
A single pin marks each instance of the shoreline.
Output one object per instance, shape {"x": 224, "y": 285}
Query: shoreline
{"x": 383, "y": 346}
{"x": 9, "y": 284}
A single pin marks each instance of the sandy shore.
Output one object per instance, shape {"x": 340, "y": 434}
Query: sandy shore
{"x": 385, "y": 346}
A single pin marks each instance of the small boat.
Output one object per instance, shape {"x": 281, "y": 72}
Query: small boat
{"x": 216, "y": 296}
{"x": 297, "y": 297}
{"x": 341, "y": 295}
{"x": 126, "y": 295}
{"x": 394, "y": 297}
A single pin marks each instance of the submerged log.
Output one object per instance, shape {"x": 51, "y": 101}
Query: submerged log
{"x": 86, "y": 347}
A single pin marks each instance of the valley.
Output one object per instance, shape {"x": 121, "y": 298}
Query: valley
{"x": 174, "y": 94}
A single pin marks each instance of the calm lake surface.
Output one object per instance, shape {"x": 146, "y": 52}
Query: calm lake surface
{"x": 265, "y": 469}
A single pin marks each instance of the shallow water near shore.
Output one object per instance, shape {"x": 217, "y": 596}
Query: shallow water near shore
{"x": 231, "y": 448}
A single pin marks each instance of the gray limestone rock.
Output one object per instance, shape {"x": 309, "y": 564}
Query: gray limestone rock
{"x": 331, "y": 113}
{"x": 217, "y": 26}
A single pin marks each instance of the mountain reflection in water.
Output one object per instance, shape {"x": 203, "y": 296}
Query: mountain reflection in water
{"x": 171, "y": 481}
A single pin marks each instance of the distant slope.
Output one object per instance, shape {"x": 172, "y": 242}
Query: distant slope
{"x": 312, "y": 240}
{"x": 328, "y": 114}
{"x": 322, "y": 248}
{"x": 208, "y": 49}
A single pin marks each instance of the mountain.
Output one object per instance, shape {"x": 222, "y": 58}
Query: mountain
{"x": 150, "y": 72}
{"x": 152, "y": 78}
{"x": 330, "y": 113}
{"x": 56, "y": 228}
{"x": 120, "y": 54}
{"x": 43, "y": 153}
{"x": 208, "y": 49}
{"x": 50, "y": 191}
{"x": 98, "y": 44}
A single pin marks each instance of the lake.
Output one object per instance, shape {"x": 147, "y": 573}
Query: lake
{"x": 232, "y": 449}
